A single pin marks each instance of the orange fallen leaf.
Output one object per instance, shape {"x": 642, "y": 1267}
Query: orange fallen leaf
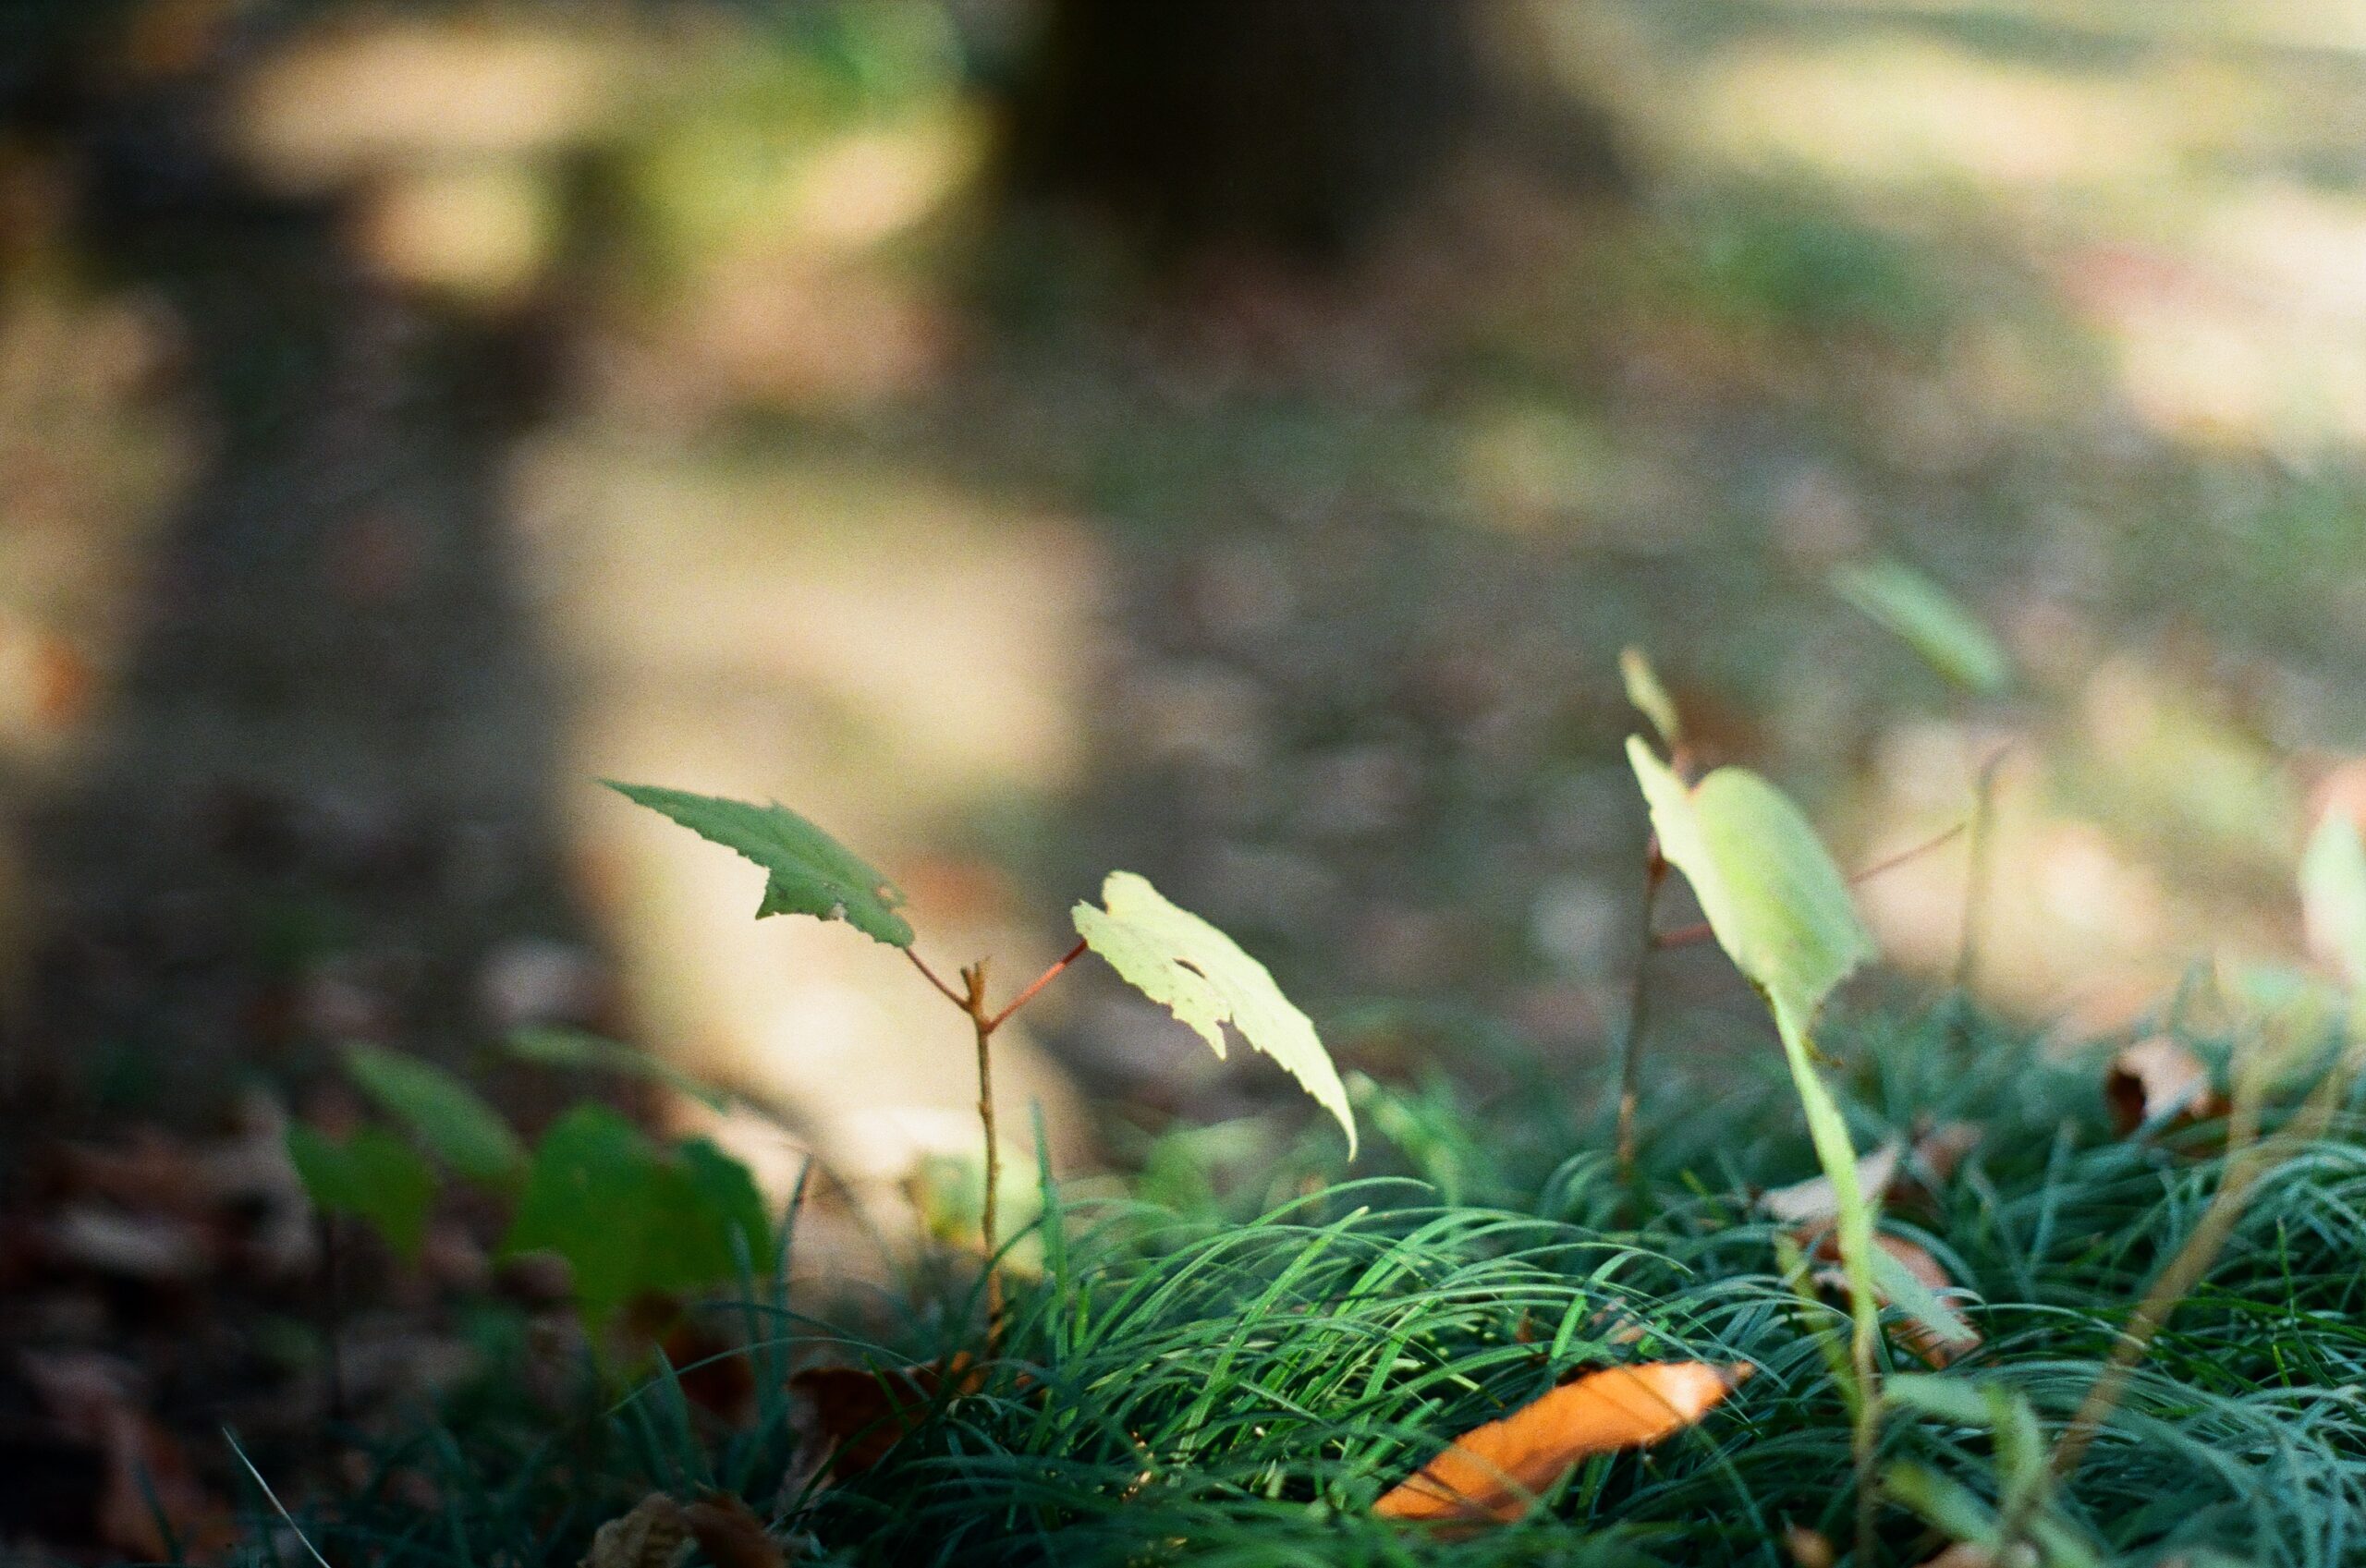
{"x": 2155, "y": 1080}
{"x": 1491, "y": 1475}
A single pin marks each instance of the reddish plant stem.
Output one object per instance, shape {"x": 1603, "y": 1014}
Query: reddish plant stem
{"x": 1046, "y": 977}
{"x": 1631, "y": 1056}
{"x": 928, "y": 973}
{"x": 972, "y": 1000}
{"x": 974, "y": 1004}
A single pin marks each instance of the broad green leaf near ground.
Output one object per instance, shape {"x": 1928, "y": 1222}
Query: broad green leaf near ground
{"x": 1186, "y": 966}
{"x": 374, "y": 1176}
{"x": 631, "y": 1217}
{"x": 449, "y": 1118}
{"x": 1948, "y": 636}
{"x": 806, "y": 871}
{"x": 1778, "y": 906}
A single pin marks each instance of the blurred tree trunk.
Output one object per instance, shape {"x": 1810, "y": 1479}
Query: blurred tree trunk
{"x": 1297, "y": 125}
{"x": 318, "y": 806}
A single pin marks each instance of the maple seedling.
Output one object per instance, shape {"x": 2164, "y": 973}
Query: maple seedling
{"x": 1168, "y": 953}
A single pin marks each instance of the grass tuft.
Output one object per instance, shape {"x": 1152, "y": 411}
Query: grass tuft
{"x": 1213, "y": 1386}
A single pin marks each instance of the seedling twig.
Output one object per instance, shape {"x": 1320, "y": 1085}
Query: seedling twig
{"x": 983, "y": 1021}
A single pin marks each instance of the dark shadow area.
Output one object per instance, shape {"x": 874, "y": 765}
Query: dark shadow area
{"x": 319, "y": 806}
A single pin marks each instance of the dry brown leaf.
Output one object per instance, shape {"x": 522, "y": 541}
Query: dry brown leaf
{"x": 654, "y": 1535}
{"x": 1491, "y": 1475}
{"x": 2156, "y": 1080}
{"x": 1809, "y": 1549}
{"x": 1813, "y": 1201}
{"x": 1927, "y": 1345}
{"x": 864, "y": 1413}
{"x": 1938, "y": 1151}
{"x": 731, "y": 1535}
{"x": 150, "y": 1485}
{"x": 1963, "y": 1554}
{"x": 1619, "y": 1326}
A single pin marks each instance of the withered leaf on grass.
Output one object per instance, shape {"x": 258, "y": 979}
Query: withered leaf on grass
{"x": 1918, "y": 1170}
{"x": 2158, "y": 1080}
{"x": 652, "y": 1536}
{"x": 729, "y": 1532}
{"x": 658, "y": 1532}
{"x": 150, "y": 1501}
{"x": 862, "y": 1413}
{"x": 1909, "y": 1278}
{"x": 1814, "y": 1201}
{"x": 1491, "y": 1475}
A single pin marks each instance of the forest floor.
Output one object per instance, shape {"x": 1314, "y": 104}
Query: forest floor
{"x": 1301, "y": 595}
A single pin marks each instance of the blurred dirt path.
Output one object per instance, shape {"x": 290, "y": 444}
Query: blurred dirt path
{"x": 892, "y": 657}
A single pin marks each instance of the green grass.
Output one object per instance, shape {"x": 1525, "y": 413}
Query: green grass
{"x": 1219, "y": 1388}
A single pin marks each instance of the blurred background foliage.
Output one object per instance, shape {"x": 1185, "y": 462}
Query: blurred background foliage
{"x": 1230, "y": 440}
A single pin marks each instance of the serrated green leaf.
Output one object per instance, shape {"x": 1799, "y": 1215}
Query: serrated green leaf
{"x": 373, "y": 1175}
{"x": 631, "y": 1219}
{"x": 1202, "y": 977}
{"x": 1777, "y": 904}
{"x": 806, "y": 871}
{"x": 1650, "y": 698}
{"x": 556, "y": 1045}
{"x": 2333, "y": 896}
{"x": 451, "y": 1119}
{"x": 1948, "y": 636}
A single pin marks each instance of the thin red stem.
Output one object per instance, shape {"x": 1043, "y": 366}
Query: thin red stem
{"x": 943, "y": 989}
{"x": 1046, "y": 977}
{"x": 974, "y": 1004}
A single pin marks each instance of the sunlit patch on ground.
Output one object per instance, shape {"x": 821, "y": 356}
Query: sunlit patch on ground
{"x": 2254, "y": 337}
{"x": 897, "y": 658}
{"x": 1898, "y": 111}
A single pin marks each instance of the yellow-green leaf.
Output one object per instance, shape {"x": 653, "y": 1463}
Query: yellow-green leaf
{"x": 1781, "y": 910}
{"x": 1778, "y": 906}
{"x": 1650, "y": 698}
{"x": 1924, "y": 615}
{"x": 1202, "y": 977}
